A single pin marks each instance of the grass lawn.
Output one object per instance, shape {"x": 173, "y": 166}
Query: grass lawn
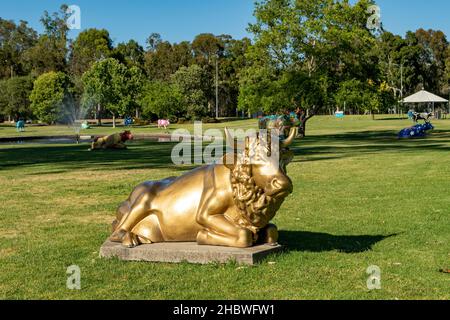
{"x": 9, "y": 130}
{"x": 362, "y": 197}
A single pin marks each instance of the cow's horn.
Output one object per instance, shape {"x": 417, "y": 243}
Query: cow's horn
{"x": 289, "y": 140}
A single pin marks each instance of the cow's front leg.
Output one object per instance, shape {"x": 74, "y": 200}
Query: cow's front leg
{"x": 218, "y": 230}
{"x": 243, "y": 240}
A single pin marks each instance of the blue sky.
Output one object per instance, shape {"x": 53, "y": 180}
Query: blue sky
{"x": 178, "y": 20}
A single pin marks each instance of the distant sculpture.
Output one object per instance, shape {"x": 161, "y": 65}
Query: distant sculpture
{"x": 128, "y": 121}
{"x": 162, "y": 123}
{"x": 114, "y": 141}
{"x": 223, "y": 204}
{"x": 417, "y": 131}
{"x": 283, "y": 123}
{"x": 85, "y": 125}
{"x": 339, "y": 114}
{"x": 20, "y": 126}
{"x": 422, "y": 116}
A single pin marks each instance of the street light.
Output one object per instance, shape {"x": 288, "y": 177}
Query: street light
{"x": 217, "y": 85}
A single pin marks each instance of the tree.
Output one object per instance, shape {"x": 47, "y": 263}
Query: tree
{"x": 14, "y": 97}
{"x": 48, "y": 96}
{"x": 162, "y": 100}
{"x": 90, "y": 46}
{"x": 434, "y": 46}
{"x": 15, "y": 40}
{"x": 162, "y": 62}
{"x": 51, "y": 50}
{"x": 112, "y": 86}
{"x": 153, "y": 41}
{"x": 192, "y": 84}
{"x": 130, "y": 54}
{"x": 230, "y": 64}
{"x": 206, "y": 47}
{"x": 314, "y": 44}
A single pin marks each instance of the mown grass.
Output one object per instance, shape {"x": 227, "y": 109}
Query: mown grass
{"x": 9, "y": 130}
{"x": 362, "y": 198}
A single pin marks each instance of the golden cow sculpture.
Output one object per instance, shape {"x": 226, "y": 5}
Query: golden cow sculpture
{"x": 226, "y": 204}
{"x": 113, "y": 141}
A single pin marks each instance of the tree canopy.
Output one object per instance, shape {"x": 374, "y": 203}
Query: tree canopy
{"x": 311, "y": 55}
{"x": 49, "y": 94}
{"x": 113, "y": 86}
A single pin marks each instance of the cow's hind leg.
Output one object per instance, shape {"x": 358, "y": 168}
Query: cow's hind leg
{"x": 122, "y": 213}
{"x": 149, "y": 230}
{"x": 146, "y": 232}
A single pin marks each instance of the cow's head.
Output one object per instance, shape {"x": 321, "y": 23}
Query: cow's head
{"x": 258, "y": 175}
{"x": 126, "y": 135}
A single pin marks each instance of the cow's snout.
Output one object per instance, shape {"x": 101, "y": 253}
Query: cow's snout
{"x": 281, "y": 184}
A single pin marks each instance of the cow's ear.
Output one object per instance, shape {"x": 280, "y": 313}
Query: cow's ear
{"x": 229, "y": 160}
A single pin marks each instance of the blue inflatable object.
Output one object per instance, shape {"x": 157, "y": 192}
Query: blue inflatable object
{"x": 417, "y": 131}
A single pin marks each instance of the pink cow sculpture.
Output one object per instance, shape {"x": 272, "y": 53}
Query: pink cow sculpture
{"x": 163, "y": 123}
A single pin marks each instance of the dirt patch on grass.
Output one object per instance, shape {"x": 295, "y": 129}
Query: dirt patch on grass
{"x": 6, "y": 252}
{"x": 106, "y": 219}
{"x": 8, "y": 234}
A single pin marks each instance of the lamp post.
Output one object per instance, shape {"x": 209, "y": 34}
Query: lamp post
{"x": 217, "y": 85}
{"x": 401, "y": 80}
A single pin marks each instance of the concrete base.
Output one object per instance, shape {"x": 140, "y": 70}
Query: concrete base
{"x": 176, "y": 252}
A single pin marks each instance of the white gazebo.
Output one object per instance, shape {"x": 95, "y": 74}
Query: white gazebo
{"x": 424, "y": 97}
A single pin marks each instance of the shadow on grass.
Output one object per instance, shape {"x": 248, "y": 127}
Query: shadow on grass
{"x": 323, "y": 242}
{"x": 353, "y": 144}
{"x": 63, "y": 158}
{"x": 150, "y": 155}
{"x": 390, "y": 119}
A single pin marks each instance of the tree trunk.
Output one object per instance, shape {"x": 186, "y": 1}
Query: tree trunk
{"x": 114, "y": 121}
{"x": 302, "y": 129}
{"x": 304, "y": 116}
{"x": 137, "y": 113}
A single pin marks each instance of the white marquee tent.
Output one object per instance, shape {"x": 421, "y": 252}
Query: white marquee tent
{"x": 425, "y": 97}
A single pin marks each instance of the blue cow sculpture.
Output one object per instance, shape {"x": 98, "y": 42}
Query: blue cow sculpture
{"x": 20, "y": 126}
{"x": 417, "y": 131}
{"x": 128, "y": 122}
